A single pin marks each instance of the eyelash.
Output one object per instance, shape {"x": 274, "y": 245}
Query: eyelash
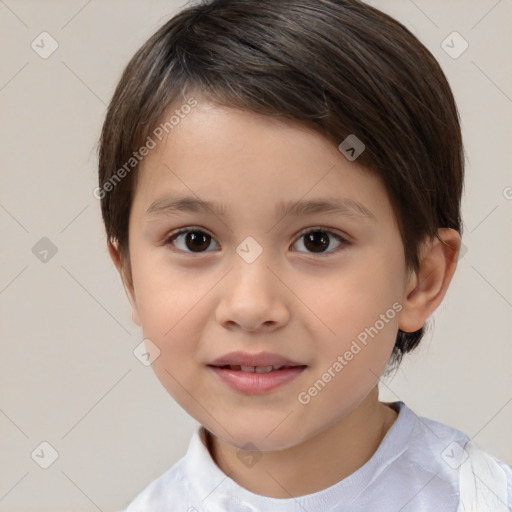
{"x": 343, "y": 241}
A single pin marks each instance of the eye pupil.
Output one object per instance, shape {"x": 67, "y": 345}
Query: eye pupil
{"x": 317, "y": 237}
{"x": 197, "y": 239}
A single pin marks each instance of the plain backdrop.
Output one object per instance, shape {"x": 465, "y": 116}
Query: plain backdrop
{"x": 68, "y": 374}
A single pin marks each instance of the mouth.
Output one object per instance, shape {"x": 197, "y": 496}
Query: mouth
{"x": 256, "y": 369}
{"x": 256, "y": 380}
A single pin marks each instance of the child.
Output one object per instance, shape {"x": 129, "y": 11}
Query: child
{"x": 241, "y": 134}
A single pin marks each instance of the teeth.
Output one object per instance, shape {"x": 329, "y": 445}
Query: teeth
{"x": 263, "y": 369}
{"x": 256, "y": 369}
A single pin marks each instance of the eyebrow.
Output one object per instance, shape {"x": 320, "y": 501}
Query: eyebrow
{"x": 341, "y": 206}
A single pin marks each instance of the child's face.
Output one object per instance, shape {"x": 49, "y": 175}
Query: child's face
{"x": 199, "y": 299}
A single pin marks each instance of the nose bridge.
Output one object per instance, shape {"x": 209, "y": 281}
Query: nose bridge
{"x": 252, "y": 295}
{"x": 251, "y": 272}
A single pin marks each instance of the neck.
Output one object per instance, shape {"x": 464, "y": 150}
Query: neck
{"x": 330, "y": 456}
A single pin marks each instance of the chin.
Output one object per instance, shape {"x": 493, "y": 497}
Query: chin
{"x": 262, "y": 436}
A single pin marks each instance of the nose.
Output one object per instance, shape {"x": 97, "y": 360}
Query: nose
{"x": 253, "y": 298}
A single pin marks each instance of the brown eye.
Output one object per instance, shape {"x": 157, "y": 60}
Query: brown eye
{"x": 318, "y": 240}
{"x": 190, "y": 240}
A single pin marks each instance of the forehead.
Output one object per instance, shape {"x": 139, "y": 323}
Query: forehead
{"x": 232, "y": 158}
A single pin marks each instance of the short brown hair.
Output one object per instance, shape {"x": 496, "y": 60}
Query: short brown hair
{"x": 341, "y": 67}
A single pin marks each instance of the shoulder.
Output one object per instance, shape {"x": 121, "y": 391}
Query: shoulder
{"x": 507, "y": 470}
{"x": 177, "y": 486}
{"x": 452, "y": 464}
{"x": 485, "y": 483}
{"x": 166, "y": 488}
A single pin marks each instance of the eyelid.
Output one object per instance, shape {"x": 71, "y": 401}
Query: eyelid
{"x": 344, "y": 239}
{"x": 325, "y": 229}
{"x": 175, "y": 233}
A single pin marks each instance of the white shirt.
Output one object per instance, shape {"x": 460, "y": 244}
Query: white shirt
{"x": 416, "y": 468}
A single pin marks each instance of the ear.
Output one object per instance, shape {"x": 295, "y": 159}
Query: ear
{"x": 426, "y": 287}
{"x": 124, "y": 269}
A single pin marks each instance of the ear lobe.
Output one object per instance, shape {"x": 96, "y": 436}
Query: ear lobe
{"x": 124, "y": 269}
{"x": 427, "y": 286}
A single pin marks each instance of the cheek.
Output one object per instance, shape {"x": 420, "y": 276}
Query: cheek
{"x": 362, "y": 318}
{"x": 164, "y": 294}
{"x": 355, "y": 326}
{"x": 173, "y": 305}
{"x": 166, "y": 314}
{"x": 342, "y": 304}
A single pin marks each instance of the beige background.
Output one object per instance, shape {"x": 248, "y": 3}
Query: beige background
{"x": 68, "y": 375}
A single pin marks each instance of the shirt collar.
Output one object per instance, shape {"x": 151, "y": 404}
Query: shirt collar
{"x": 218, "y": 492}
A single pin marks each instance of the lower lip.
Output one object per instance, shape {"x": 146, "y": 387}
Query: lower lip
{"x": 253, "y": 383}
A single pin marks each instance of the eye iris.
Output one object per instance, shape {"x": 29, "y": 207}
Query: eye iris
{"x": 315, "y": 241}
{"x": 197, "y": 239}
{"x": 317, "y": 237}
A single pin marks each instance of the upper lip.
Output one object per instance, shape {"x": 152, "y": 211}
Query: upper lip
{"x": 259, "y": 359}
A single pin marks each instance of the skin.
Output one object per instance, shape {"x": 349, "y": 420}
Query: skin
{"x": 302, "y": 304}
